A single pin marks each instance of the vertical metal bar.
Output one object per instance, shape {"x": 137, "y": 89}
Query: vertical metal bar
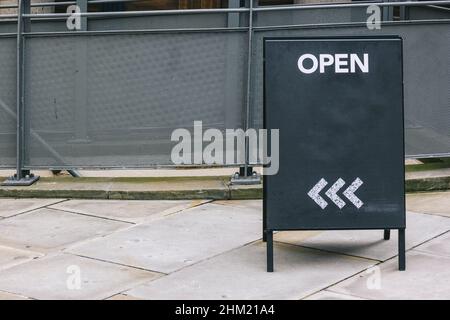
{"x": 387, "y": 12}
{"x": 81, "y": 112}
{"x": 264, "y": 226}
{"x": 401, "y": 250}
{"x": 83, "y": 5}
{"x": 404, "y": 12}
{"x": 269, "y": 244}
{"x": 387, "y": 234}
{"x": 232, "y": 102}
{"x": 249, "y": 87}
{"x": 23, "y": 25}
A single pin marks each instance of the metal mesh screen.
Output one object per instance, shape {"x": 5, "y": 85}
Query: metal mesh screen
{"x": 426, "y": 80}
{"x": 113, "y": 100}
{"x": 7, "y": 102}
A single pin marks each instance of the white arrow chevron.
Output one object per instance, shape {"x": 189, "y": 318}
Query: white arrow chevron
{"x": 331, "y": 193}
{"x": 314, "y": 193}
{"x": 349, "y": 193}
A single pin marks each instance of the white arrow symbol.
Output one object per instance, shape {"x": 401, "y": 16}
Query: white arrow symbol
{"x": 349, "y": 193}
{"x": 314, "y": 193}
{"x": 331, "y": 193}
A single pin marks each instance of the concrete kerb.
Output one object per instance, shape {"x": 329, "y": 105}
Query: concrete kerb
{"x": 170, "y": 188}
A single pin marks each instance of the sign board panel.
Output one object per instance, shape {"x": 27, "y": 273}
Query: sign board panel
{"x": 338, "y": 105}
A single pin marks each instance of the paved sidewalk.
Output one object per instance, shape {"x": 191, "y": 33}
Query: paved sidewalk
{"x": 202, "y": 249}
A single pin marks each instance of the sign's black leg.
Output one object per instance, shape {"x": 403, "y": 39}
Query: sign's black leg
{"x": 387, "y": 234}
{"x": 269, "y": 243}
{"x": 264, "y": 231}
{"x": 401, "y": 250}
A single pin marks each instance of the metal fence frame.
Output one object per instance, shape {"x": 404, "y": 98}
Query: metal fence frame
{"x": 24, "y": 19}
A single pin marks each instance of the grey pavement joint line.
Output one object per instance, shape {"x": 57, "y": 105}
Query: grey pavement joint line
{"x": 331, "y": 291}
{"x": 91, "y": 215}
{"x": 16, "y": 294}
{"x": 130, "y": 225}
{"x": 161, "y": 274}
{"x": 432, "y": 238}
{"x": 211, "y": 257}
{"x": 385, "y": 261}
{"x": 194, "y": 206}
{"x": 346, "y": 278}
{"x": 347, "y": 294}
{"x": 41, "y": 207}
{"x": 350, "y": 255}
{"x": 443, "y": 215}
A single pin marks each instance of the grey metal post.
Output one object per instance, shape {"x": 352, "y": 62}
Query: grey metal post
{"x": 81, "y": 114}
{"x": 401, "y": 250}
{"x": 249, "y": 83}
{"x": 245, "y": 175}
{"x": 232, "y": 102}
{"x": 388, "y": 12}
{"x": 269, "y": 248}
{"x": 22, "y": 177}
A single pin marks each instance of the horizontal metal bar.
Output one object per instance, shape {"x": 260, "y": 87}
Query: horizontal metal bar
{"x": 351, "y": 5}
{"x": 428, "y": 155}
{"x": 147, "y": 166}
{"x": 139, "y": 31}
{"x": 171, "y": 166}
{"x": 136, "y": 13}
{"x": 350, "y": 24}
{"x": 8, "y": 16}
{"x": 236, "y": 29}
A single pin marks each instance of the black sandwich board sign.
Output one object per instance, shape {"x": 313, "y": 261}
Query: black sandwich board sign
{"x": 338, "y": 105}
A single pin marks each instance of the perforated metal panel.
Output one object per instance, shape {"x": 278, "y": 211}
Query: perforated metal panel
{"x": 114, "y": 100}
{"x": 426, "y": 80}
{"x": 7, "y": 101}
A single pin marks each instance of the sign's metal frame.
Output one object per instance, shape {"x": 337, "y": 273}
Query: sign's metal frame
{"x": 268, "y": 233}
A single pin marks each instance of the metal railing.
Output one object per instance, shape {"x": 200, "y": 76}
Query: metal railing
{"x": 248, "y": 19}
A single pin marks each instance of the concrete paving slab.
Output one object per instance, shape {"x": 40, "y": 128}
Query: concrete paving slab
{"x": 46, "y": 229}
{"x": 329, "y": 295}
{"x": 12, "y": 207}
{"x": 370, "y": 243}
{"x": 426, "y": 277}
{"x": 135, "y": 211}
{"x": 241, "y": 274}
{"x": 56, "y": 277}
{"x": 11, "y": 296}
{"x": 429, "y": 202}
{"x": 438, "y": 246}
{"x": 178, "y": 240}
{"x": 10, "y": 257}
